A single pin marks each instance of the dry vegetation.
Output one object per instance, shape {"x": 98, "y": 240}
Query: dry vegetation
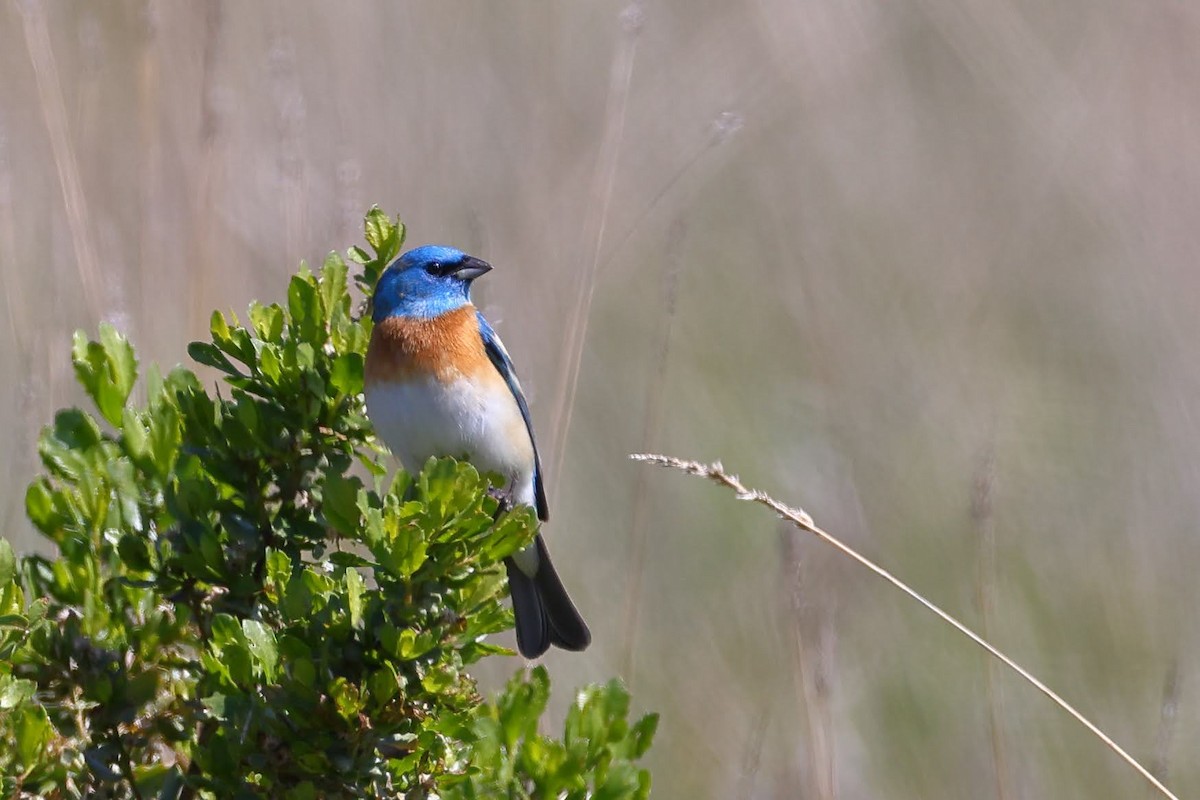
{"x": 926, "y": 268}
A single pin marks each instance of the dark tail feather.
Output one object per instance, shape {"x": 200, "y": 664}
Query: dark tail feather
{"x": 544, "y": 612}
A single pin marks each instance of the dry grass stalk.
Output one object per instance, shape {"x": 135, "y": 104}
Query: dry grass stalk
{"x": 45, "y": 70}
{"x": 651, "y": 430}
{"x": 1168, "y": 720}
{"x": 800, "y": 518}
{"x": 985, "y": 529}
{"x": 620, "y": 77}
{"x": 809, "y": 674}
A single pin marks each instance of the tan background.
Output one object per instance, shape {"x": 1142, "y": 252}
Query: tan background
{"x": 927, "y": 268}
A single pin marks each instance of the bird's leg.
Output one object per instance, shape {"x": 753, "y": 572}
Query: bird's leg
{"x": 503, "y": 496}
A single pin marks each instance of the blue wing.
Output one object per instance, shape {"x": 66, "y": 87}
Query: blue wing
{"x": 500, "y": 359}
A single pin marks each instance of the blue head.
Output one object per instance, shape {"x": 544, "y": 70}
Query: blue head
{"x": 426, "y": 282}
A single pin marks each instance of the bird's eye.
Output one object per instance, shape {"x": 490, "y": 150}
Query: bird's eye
{"x": 442, "y": 268}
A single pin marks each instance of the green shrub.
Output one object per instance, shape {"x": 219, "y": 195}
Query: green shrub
{"x": 244, "y": 606}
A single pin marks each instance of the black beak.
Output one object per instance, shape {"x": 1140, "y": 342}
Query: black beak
{"x": 471, "y": 268}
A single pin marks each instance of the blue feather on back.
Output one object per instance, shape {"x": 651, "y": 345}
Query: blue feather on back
{"x": 500, "y": 358}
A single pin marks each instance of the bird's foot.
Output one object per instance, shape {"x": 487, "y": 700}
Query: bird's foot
{"x": 503, "y": 497}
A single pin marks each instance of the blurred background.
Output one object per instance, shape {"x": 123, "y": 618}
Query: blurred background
{"x": 925, "y": 268}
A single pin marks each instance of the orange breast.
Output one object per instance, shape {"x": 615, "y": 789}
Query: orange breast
{"x": 446, "y": 347}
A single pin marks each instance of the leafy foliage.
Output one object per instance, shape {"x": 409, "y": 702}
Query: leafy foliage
{"x": 594, "y": 759}
{"x": 244, "y": 606}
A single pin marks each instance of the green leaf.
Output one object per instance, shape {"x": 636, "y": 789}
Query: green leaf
{"x": 345, "y": 559}
{"x": 269, "y": 363}
{"x": 231, "y": 648}
{"x": 15, "y": 692}
{"x": 622, "y": 781}
{"x": 126, "y": 495}
{"x": 107, "y": 370}
{"x": 303, "y": 671}
{"x": 225, "y": 629}
{"x": 386, "y": 239}
{"x": 68, "y": 452}
{"x": 208, "y": 355}
{"x": 39, "y": 506}
{"x": 7, "y": 561}
{"x": 641, "y": 735}
{"x": 165, "y": 436}
{"x": 268, "y": 322}
{"x": 262, "y": 646}
{"x": 297, "y": 597}
{"x": 384, "y": 683}
{"x": 246, "y": 413}
{"x": 133, "y": 435}
{"x": 33, "y": 733}
{"x": 346, "y": 697}
{"x": 279, "y": 567}
{"x": 304, "y": 307}
{"x": 134, "y": 551}
{"x": 215, "y": 703}
{"x": 121, "y": 359}
{"x": 76, "y": 429}
{"x": 410, "y": 556}
{"x": 218, "y": 326}
{"x": 410, "y": 645}
{"x": 239, "y": 345}
{"x": 141, "y": 688}
{"x": 341, "y": 503}
{"x": 354, "y": 596}
{"x": 346, "y": 373}
{"x": 333, "y": 284}
{"x": 439, "y": 679}
{"x": 384, "y": 236}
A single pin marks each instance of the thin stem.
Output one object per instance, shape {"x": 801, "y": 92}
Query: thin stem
{"x": 809, "y": 682}
{"x": 651, "y": 429}
{"x": 54, "y": 110}
{"x": 752, "y": 758}
{"x": 985, "y": 528}
{"x": 1168, "y": 719}
{"x": 8, "y": 244}
{"x": 804, "y": 522}
{"x": 203, "y": 220}
{"x": 620, "y": 77}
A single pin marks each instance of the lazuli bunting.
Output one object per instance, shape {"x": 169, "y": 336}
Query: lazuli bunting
{"x": 440, "y": 383}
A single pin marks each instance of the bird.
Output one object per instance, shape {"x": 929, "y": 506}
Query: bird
{"x": 439, "y": 382}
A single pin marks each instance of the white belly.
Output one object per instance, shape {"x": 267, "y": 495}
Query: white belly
{"x": 469, "y": 419}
